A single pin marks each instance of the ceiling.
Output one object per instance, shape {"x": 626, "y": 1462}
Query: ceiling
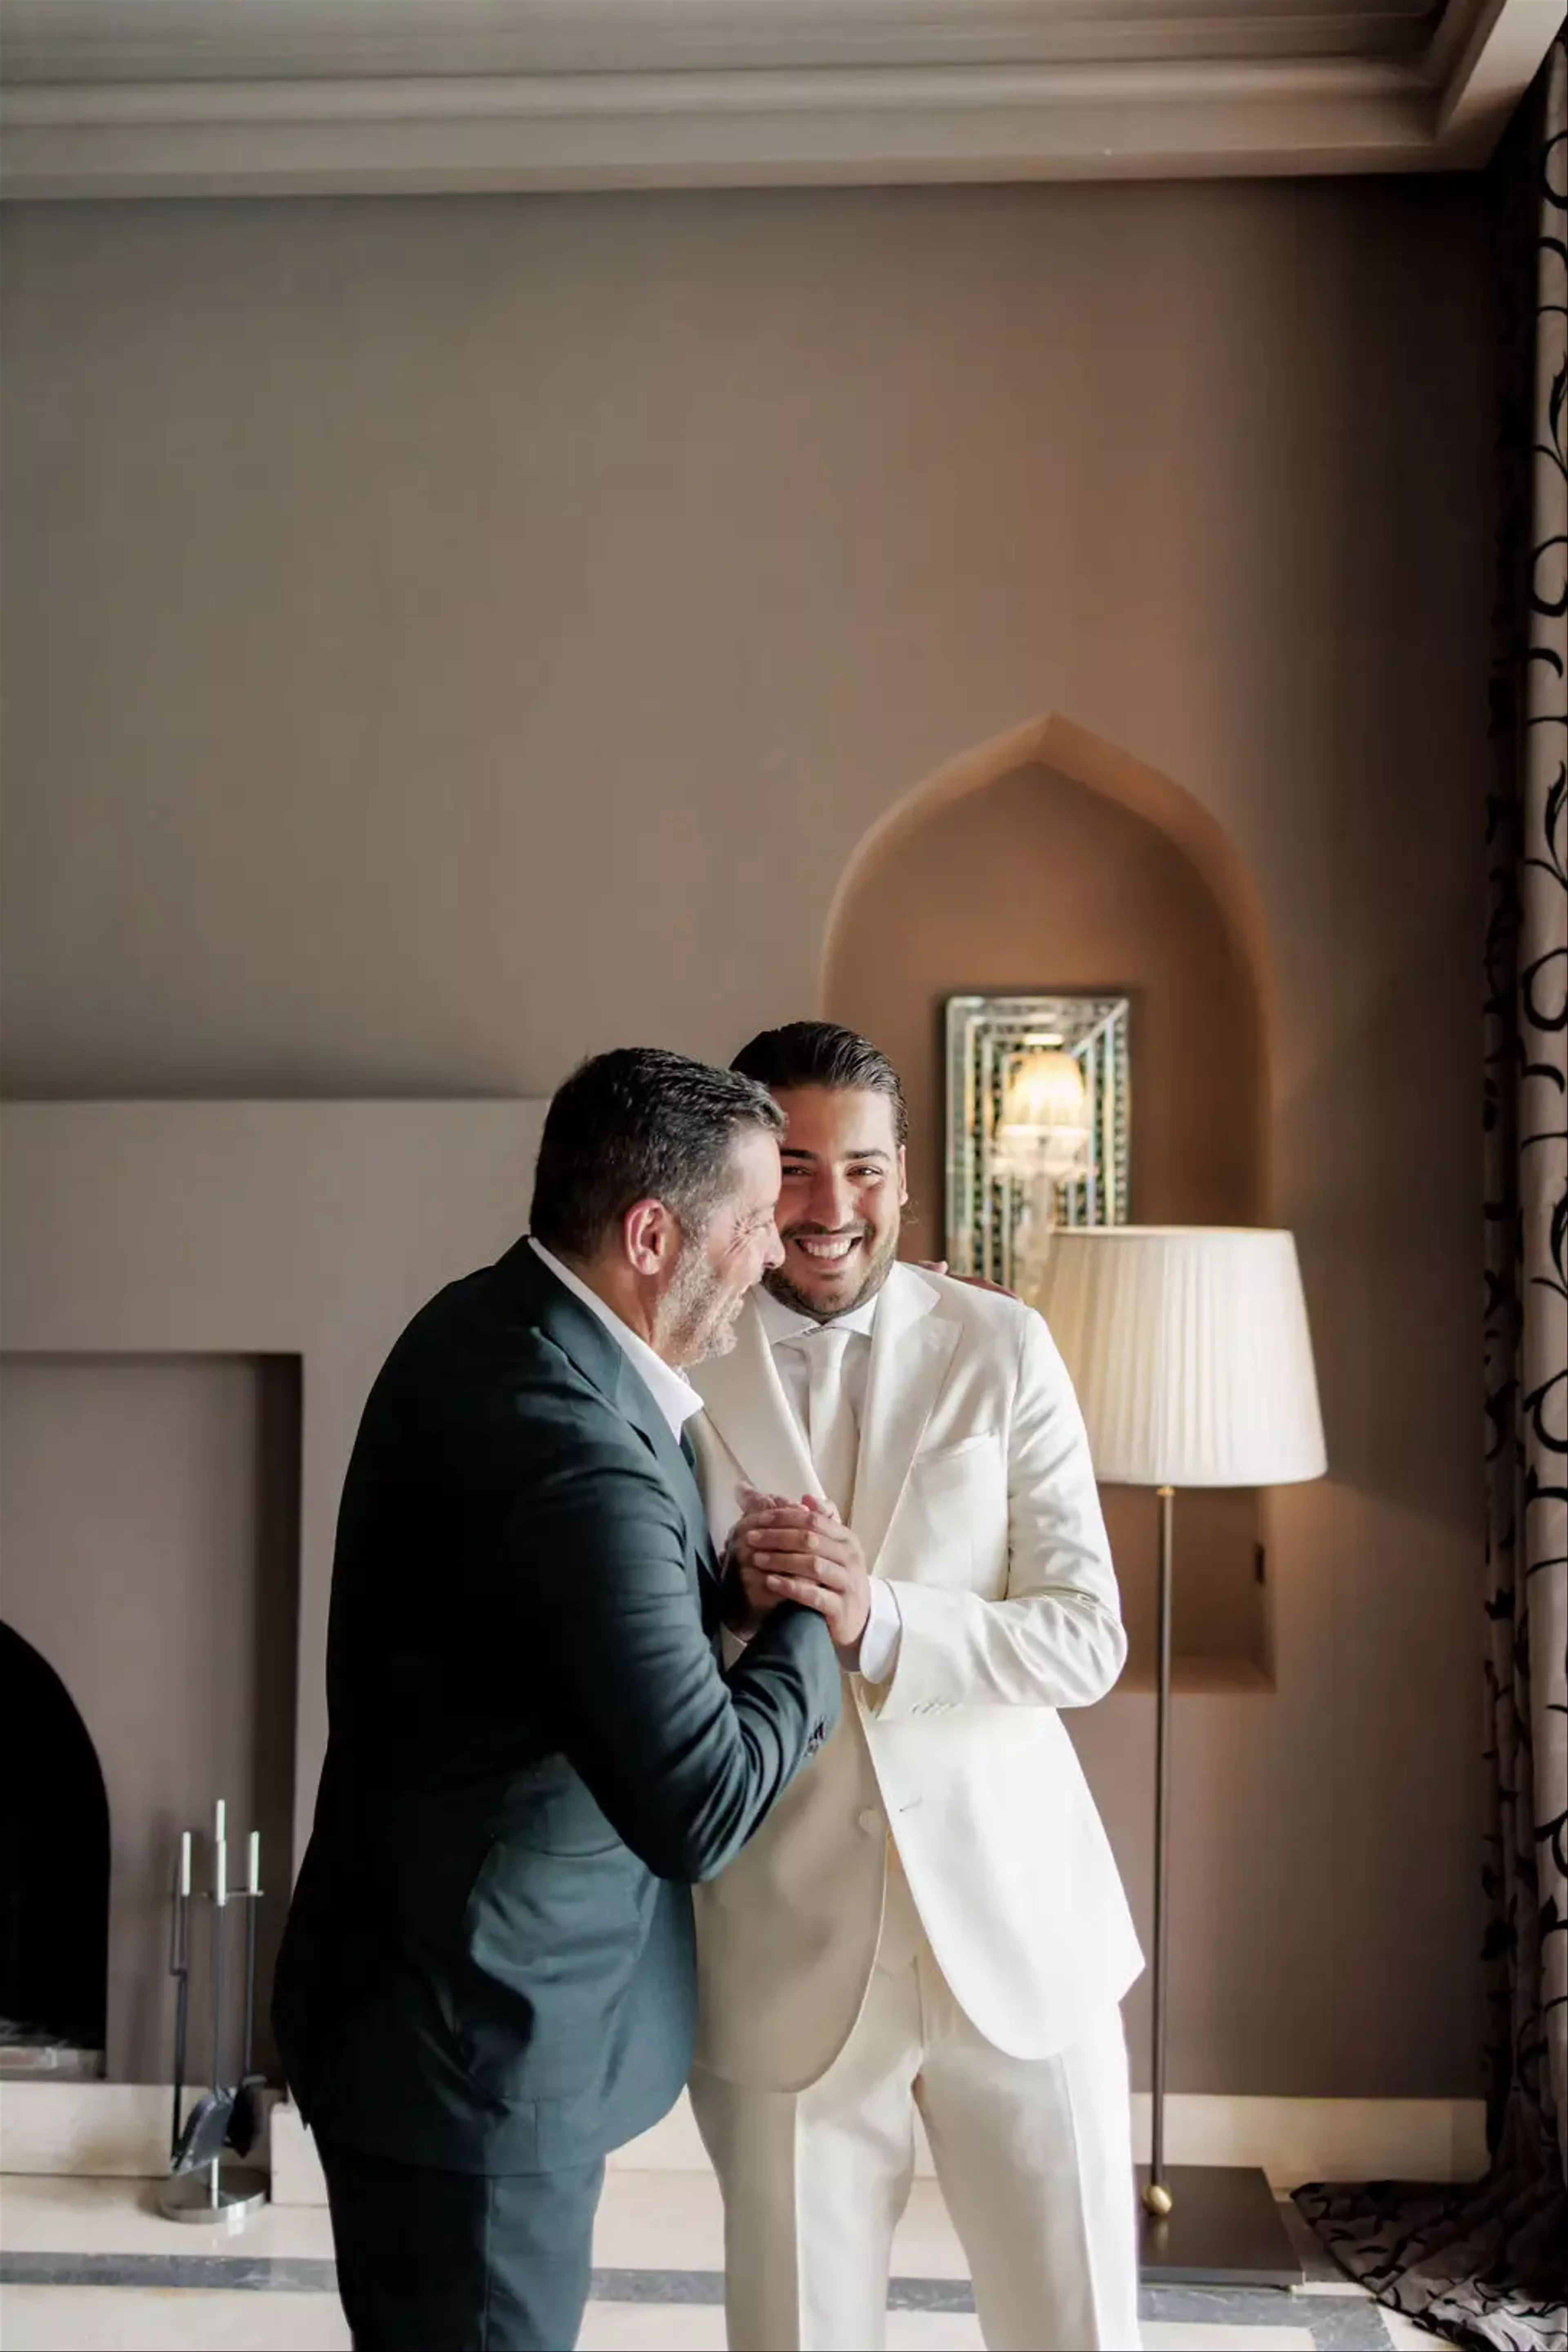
{"x": 168, "y": 98}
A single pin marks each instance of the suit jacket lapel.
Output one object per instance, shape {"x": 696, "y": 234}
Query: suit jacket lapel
{"x": 744, "y": 1399}
{"x": 634, "y": 1398}
{"x": 597, "y": 1355}
{"x": 911, "y": 1348}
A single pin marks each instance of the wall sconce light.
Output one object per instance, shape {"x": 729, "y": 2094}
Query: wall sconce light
{"x": 1044, "y": 1127}
{"x": 1043, "y": 1139}
{"x": 1038, "y": 1126}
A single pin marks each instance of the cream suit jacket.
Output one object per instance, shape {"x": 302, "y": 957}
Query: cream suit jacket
{"x": 976, "y": 1498}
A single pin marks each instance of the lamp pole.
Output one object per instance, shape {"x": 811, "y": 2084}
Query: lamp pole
{"x": 1190, "y": 1351}
{"x": 1157, "y": 2196}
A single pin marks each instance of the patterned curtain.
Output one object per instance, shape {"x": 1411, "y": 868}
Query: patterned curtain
{"x": 1486, "y": 2262}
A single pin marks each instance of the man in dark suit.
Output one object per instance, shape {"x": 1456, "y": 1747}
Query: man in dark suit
{"x": 488, "y": 1977}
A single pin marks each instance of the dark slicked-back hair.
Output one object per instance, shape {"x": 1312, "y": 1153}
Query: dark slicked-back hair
{"x": 638, "y": 1125}
{"x": 820, "y": 1053}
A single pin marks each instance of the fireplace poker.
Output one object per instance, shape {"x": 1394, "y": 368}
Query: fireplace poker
{"x": 180, "y": 1969}
{"x": 245, "y": 2123}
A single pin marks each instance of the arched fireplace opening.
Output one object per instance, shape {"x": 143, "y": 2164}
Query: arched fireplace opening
{"x": 54, "y": 1871}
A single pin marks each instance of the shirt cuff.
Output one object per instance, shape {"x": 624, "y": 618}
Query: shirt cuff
{"x": 879, "y": 1642}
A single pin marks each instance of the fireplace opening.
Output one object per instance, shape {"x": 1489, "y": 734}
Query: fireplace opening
{"x": 54, "y": 1874}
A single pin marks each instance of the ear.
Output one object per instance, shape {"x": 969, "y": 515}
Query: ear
{"x": 903, "y": 1176}
{"x": 651, "y": 1237}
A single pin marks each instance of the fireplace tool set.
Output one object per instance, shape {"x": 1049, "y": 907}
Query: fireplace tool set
{"x": 204, "y": 2183}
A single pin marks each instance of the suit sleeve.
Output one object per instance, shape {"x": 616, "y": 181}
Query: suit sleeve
{"x": 1055, "y": 1639}
{"x": 683, "y": 1763}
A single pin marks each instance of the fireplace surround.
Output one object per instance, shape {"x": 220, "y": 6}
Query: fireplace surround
{"x": 293, "y": 1234}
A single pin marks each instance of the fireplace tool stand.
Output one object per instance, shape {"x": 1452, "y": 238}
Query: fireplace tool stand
{"x": 205, "y": 2184}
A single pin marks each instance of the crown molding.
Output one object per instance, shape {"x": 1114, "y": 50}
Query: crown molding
{"x": 200, "y": 97}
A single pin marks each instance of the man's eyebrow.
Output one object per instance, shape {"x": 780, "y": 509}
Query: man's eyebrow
{"x": 797, "y": 1151}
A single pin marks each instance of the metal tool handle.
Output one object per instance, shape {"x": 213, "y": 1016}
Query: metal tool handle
{"x": 180, "y": 1969}
{"x": 253, "y": 1897}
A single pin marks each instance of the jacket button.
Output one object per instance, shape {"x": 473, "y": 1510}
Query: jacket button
{"x": 871, "y": 1822}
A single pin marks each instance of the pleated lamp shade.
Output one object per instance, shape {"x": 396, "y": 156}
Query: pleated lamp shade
{"x": 1189, "y": 1350}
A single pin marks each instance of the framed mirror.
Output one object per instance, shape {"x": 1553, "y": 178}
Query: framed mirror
{"x": 1038, "y": 1114}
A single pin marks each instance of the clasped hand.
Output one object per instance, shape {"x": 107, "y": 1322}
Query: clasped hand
{"x": 779, "y": 1550}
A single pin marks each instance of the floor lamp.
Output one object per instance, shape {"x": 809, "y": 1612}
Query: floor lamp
{"x": 1189, "y": 1350}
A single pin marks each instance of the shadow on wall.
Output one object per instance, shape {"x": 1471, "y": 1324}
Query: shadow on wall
{"x": 1049, "y": 859}
{"x": 1364, "y": 1114}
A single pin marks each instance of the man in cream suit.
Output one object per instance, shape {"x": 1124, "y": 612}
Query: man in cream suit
{"x": 931, "y": 1920}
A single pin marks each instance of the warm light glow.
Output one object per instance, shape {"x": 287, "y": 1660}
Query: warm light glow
{"x": 1044, "y": 1132}
{"x": 1046, "y": 1090}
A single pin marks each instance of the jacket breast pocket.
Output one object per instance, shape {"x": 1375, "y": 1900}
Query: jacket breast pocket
{"x": 953, "y": 1516}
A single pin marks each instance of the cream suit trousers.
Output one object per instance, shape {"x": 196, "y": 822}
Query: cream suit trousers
{"x": 1033, "y": 2157}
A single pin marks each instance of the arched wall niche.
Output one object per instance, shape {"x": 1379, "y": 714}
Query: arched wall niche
{"x": 1050, "y": 859}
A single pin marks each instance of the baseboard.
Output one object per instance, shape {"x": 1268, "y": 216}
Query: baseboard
{"x": 1323, "y": 2140}
{"x": 1292, "y": 2140}
{"x": 122, "y": 2130}
{"x": 106, "y": 2131}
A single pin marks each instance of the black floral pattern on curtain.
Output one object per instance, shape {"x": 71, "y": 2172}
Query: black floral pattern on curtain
{"x": 1486, "y": 2262}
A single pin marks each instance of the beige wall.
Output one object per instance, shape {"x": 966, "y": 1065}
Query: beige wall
{"x": 442, "y": 639}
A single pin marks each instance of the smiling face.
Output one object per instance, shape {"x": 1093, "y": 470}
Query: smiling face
{"x": 720, "y": 1265}
{"x": 838, "y": 1211}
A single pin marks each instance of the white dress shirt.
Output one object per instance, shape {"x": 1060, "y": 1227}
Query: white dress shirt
{"x": 673, "y": 1391}
{"x": 790, "y": 1335}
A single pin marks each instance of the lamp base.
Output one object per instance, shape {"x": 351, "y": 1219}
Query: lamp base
{"x": 1224, "y": 2229}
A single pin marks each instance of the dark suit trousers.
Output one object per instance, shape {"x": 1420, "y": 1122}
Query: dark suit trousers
{"x": 461, "y": 2262}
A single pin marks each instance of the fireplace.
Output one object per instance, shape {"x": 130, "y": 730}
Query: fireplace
{"x": 152, "y": 1558}
{"x": 196, "y": 1298}
{"x": 54, "y": 1874}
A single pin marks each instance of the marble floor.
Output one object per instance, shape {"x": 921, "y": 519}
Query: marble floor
{"x": 92, "y": 2266}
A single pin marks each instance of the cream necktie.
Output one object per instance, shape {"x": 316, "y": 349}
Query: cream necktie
{"x": 831, "y": 1433}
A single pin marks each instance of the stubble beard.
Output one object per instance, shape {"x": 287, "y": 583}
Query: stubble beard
{"x": 698, "y": 1316}
{"x": 778, "y": 1285}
